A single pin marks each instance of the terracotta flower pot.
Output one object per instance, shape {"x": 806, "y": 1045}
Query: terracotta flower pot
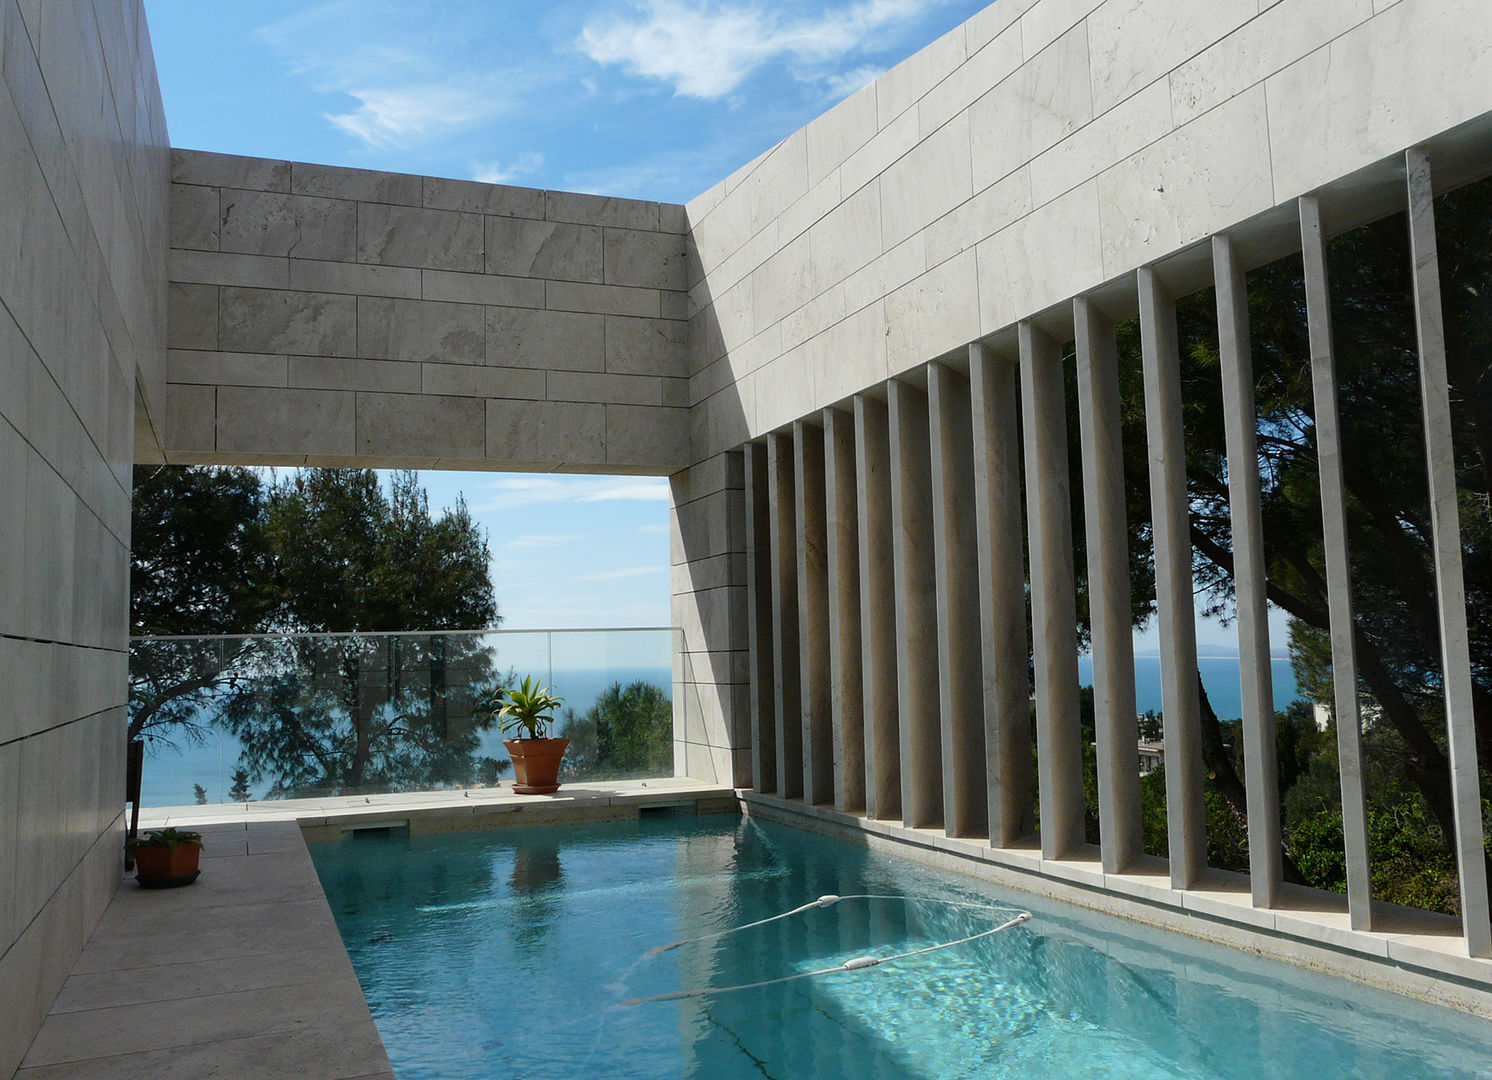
{"x": 536, "y": 764}
{"x": 159, "y": 867}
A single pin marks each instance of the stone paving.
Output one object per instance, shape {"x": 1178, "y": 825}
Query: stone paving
{"x": 243, "y": 974}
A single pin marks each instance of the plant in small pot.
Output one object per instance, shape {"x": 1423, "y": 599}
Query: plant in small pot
{"x": 527, "y": 714}
{"x": 166, "y": 858}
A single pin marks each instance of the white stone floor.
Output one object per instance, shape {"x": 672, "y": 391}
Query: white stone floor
{"x": 243, "y": 975}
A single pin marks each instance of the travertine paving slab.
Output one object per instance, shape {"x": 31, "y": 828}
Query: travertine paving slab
{"x": 241, "y": 975}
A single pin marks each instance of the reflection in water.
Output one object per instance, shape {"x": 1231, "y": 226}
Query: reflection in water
{"x": 537, "y": 884}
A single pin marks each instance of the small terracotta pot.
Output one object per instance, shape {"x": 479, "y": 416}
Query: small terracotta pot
{"x": 157, "y": 867}
{"x": 536, "y": 764}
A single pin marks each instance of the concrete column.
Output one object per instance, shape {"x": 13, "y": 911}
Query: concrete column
{"x": 994, "y": 387}
{"x": 813, "y": 613}
{"x": 1185, "y": 813}
{"x": 846, "y": 685}
{"x": 1054, "y": 634}
{"x": 1338, "y": 565}
{"x": 877, "y": 609}
{"x": 1261, "y": 771}
{"x": 759, "y": 620}
{"x": 960, "y": 670}
{"x": 916, "y": 616}
{"x": 1450, "y": 587}
{"x": 1109, "y": 605}
{"x": 787, "y": 689}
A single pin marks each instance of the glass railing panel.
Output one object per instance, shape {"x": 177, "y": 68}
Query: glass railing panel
{"x": 618, "y": 691}
{"x": 334, "y": 715}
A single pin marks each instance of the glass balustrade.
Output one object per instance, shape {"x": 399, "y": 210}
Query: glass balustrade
{"x": 316, "y": 715}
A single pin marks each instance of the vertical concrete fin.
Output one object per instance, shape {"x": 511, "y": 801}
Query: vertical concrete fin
{"x": 813, "y": 612}
{"x": 846, "y": 688}
{"x": 916, "y": 608}
{"x": 1109, "y": 605}
{"x": 759, "y": 620}
{"x": 960, "y": 673}
{"x": 1450, "y": 588}
{"x": 1180, "y": 700}
{"x": 787, "y": 685}
{"x": 994, "y": 385}
{"x": 1338, "y": 565}
{"x": 1054, "y": 635}
{"x": 1240, "y": 424}
{"x": 882, "y": 702}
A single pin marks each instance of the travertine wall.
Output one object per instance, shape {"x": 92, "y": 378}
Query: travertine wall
{"x": 707, "y": 547}
{"x": 330, "y": 316}
{"x": 83, "y": 189}
{"x": 1038, "y": 151}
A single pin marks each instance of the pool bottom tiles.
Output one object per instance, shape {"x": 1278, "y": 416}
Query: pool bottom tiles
{"x": 525, "y": 952}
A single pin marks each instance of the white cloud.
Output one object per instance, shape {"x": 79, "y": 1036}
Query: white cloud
{"x": 631, "y": 571}
{"x": 843, "y": 84}
{"x": 707, "y": 51}
{"x": 413, "y": 78}
{"x": 657, "y": 527}
{"x": 495, "y": 172}
{"x": 511, "y": 492}
{"x": 396, "y": 116}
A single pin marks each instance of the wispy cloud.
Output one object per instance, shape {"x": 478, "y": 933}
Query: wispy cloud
{"x": 528, "y": 163}
{"x": 396, "y": 116}
{"x": 631, "y": 571}
{"x": 707, "y": 51}
{"x": 511, "y": 492}
{"x": 635, "y": 489}
{"x": 843, "y": 84}
{"x": 411, "y": 76}
{"x": 656, "y": 527}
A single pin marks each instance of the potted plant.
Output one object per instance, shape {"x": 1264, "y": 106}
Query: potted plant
{"x": 165, "y": 858}
{"x": 527, "y": 714}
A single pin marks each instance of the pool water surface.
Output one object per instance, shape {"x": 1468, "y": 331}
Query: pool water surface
{"x": 513, "y": 954}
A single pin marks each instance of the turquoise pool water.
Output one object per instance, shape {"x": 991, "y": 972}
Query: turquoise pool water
{"x": 508, "y": 954}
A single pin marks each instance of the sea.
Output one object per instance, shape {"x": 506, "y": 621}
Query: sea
{"x": 170, "y": 773}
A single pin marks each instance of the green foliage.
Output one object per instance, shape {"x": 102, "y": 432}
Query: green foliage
{"x": 324, "y": 550}
{"x": 1389, "y": 534}
{"x": 168, "y": 838}
{"x": 528, "y": 709}
{"x": 199, "y": 794}
{"x": 239, "y": 792}
{"x": 628, "y": 732}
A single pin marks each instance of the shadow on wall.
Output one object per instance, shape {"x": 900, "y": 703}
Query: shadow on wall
{"x": 707, "y": 553}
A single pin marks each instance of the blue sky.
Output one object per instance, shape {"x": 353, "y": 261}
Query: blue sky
{"x": 655, "y": 100}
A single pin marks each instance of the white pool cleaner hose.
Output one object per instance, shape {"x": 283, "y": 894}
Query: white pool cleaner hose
{"x": 859, "y": 963}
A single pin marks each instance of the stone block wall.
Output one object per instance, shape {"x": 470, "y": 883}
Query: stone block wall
{"x": 1040, "y": 150}
{"x": 83, "y": 211}
{"x": 328, "y": 316}
{"x": 707, "y": 552}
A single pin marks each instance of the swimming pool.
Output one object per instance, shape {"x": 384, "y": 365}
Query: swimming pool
{"x": 461, "y": 941}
